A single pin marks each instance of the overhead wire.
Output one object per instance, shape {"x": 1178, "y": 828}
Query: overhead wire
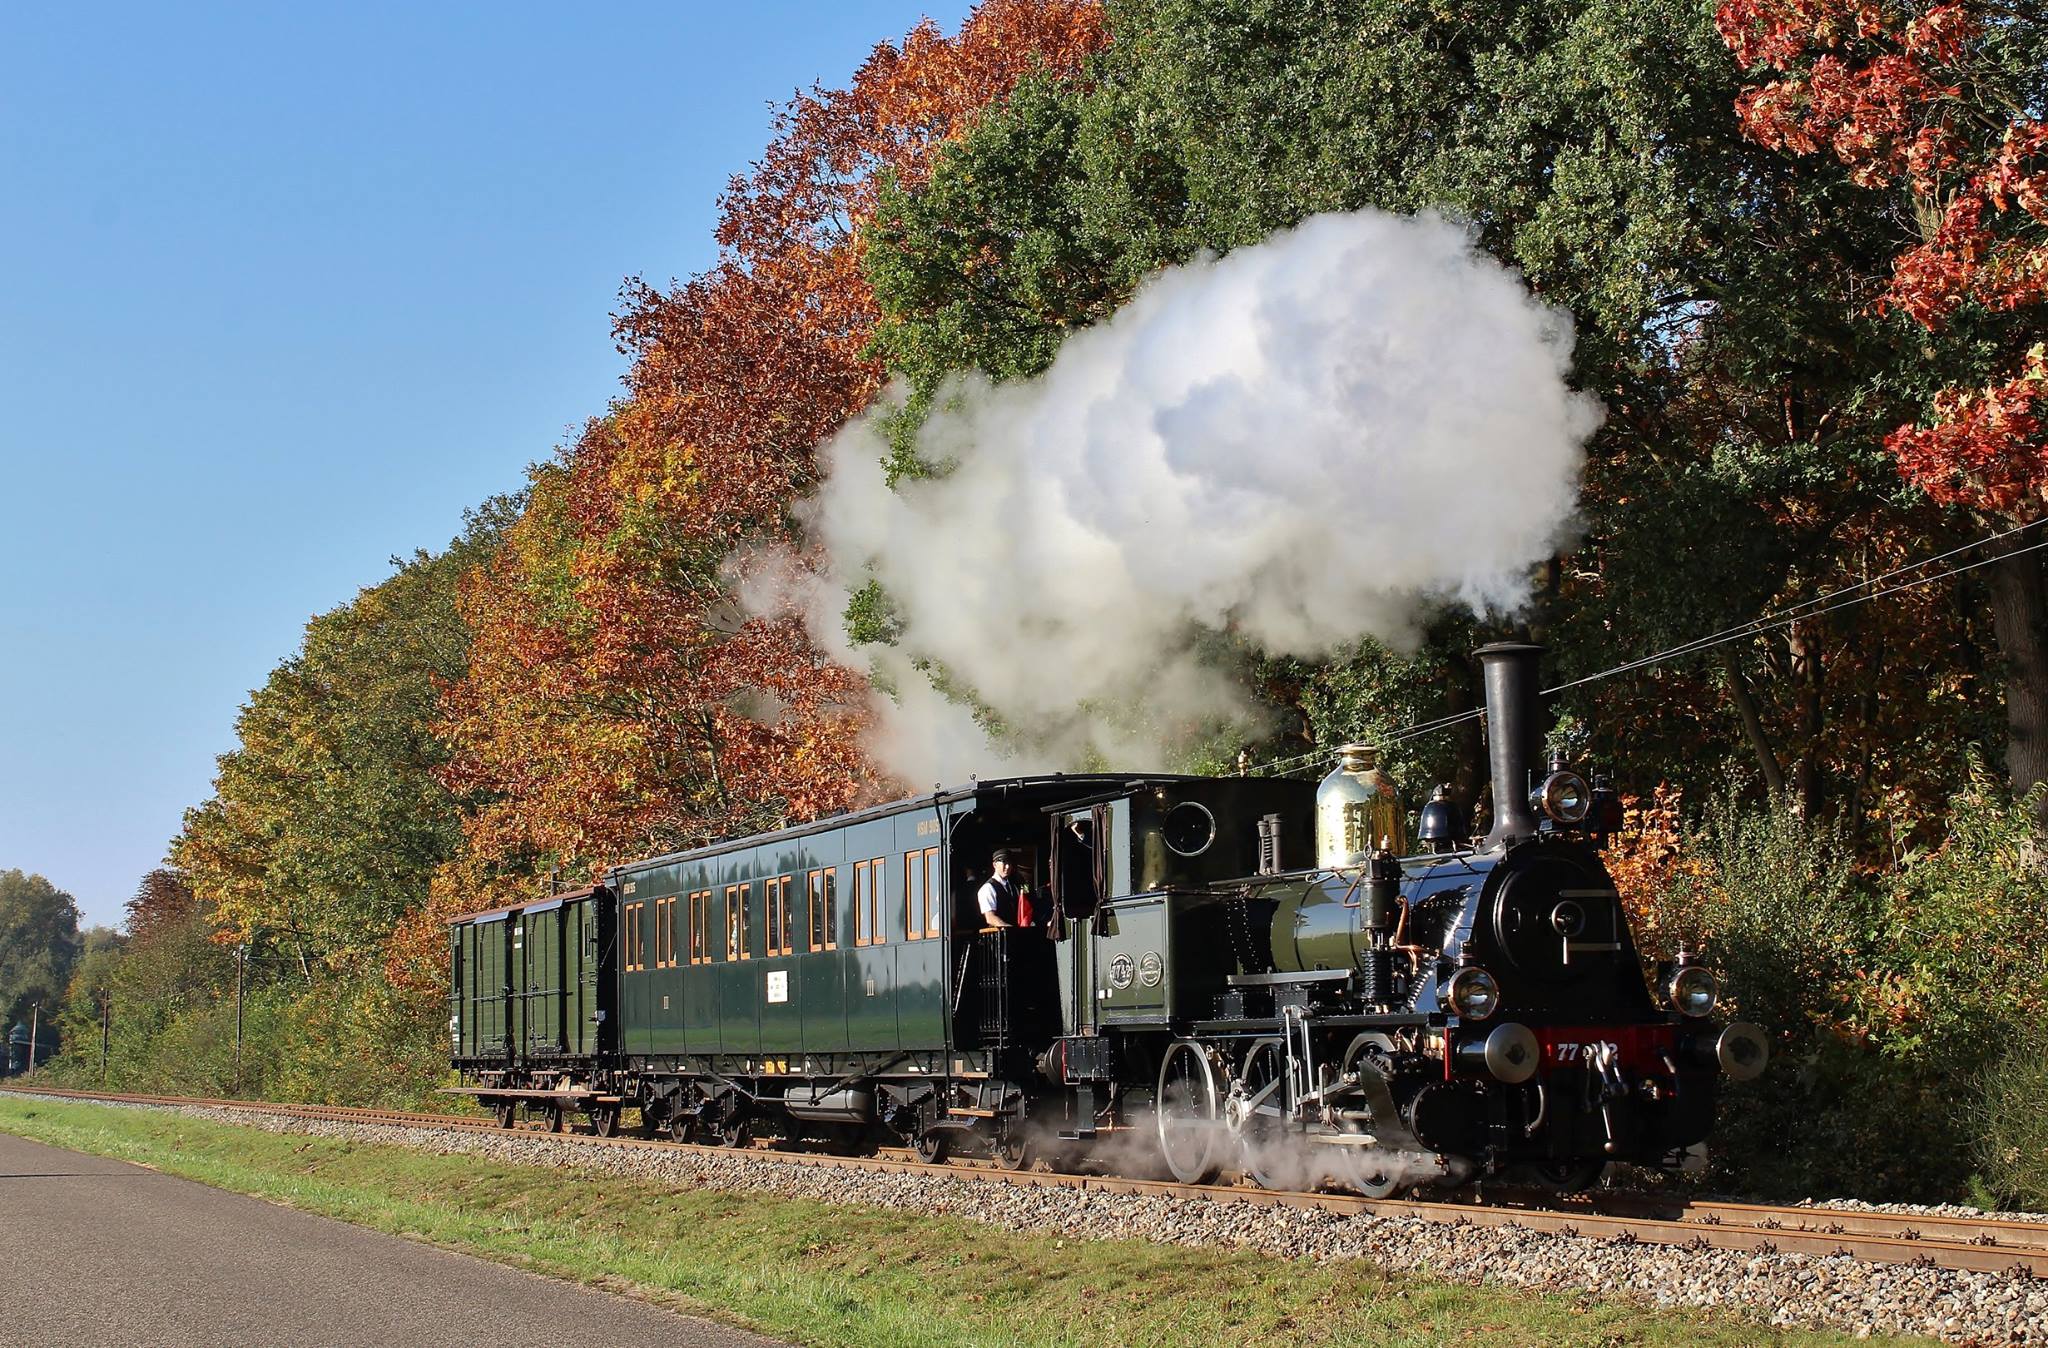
{"x": 1815, "y": 607}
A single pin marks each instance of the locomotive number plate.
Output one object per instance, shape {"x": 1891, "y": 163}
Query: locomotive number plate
{"x": 1638, "y": 1048}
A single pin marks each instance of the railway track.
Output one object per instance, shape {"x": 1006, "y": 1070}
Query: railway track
{"x": 1981, "y": 1244}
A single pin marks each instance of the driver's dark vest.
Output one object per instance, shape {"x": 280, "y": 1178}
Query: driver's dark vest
{"x": 1006, "y": 900}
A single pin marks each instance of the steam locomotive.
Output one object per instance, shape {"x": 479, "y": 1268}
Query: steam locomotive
{"x": 1236, "y": 975}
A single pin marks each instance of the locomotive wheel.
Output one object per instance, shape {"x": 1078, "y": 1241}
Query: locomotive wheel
{"x": 1359, "y": 1168}
{"x": 1190, "y": 1134}
{"x": 505, "y": 1112}
{"x": 1559, "y": 1177}
{"x": 604, "y": 1120}
{"x": 930, "y": 1147}
{"x": 1271, "y": 1155}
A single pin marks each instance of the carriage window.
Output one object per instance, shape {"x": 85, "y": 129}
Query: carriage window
{"x": 665, "y": 933}
{"x": 736, "y": 922}
{"x": 634, "y": 955}
{"x": 781, "y": 940}
{"x": 867, "y": 903}
{"x": 700, "y": 927}
{"x": 824, "y": 890}
{"x": 921, "y": 893}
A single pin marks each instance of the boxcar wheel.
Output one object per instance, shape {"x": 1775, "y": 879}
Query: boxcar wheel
{"x": 604, "y": 1120}
{"x": 505, "y": 1112}
{"x": 557, "y": 1118}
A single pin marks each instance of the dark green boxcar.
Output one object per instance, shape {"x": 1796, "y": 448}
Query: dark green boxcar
{"x": 528, "y": 980}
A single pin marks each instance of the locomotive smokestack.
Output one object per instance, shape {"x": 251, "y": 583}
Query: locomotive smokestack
{"x": 1513, "y": 739}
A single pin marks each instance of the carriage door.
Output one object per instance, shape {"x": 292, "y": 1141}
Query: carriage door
{"x": 516, "y": 1009}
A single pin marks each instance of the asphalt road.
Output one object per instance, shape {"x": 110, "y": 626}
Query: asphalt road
{"x": 94, "y": 1251}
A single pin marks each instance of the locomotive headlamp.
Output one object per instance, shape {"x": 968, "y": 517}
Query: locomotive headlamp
{"x": 1694, "y": 990}
{"x": 1475, "y": 993}
{"x": 1564, "y": 797}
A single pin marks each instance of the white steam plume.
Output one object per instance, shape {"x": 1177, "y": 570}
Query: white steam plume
{"x": 1298, "y": 444}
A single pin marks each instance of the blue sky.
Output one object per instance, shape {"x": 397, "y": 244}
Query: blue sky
{"x": 282, "y": 290}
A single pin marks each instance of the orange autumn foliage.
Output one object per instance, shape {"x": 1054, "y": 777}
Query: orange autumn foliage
{"x": 1912, "y": 95}
{"x": 618, "y": 700}
{"x": 1652, "y": 870}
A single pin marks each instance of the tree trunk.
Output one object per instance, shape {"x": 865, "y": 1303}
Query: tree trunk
{"x": 1806, "y": 676}
{"x": 2019, "y": 616}
{"x": 1753, "y": 723}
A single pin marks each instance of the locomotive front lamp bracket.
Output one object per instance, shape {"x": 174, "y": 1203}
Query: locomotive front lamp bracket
{"x": 1474, "y": 993}
{"x": 1693, "y": 990}
{"x": 1564, "y": 797}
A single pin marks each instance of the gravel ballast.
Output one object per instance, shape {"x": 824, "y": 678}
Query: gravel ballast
{"x": 1782, "y": 1289}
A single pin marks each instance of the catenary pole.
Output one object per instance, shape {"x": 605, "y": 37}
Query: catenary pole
{"x": 241, "y": 962}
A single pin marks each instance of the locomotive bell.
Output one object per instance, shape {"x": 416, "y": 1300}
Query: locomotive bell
{"x": 1356, "y": 810}
{"x": 1443, "y": 824}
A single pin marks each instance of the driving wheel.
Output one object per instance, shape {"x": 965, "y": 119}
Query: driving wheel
{"x": 1190, "y": 1134}
{"x": 1270, "y": 1152}
{"x": 1365, "y": 1170}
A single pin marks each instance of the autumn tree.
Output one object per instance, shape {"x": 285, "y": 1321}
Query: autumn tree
{"x": 327, "y": 819}
{"x": 618, "y": 699}
{"x": 1936, "y": 111}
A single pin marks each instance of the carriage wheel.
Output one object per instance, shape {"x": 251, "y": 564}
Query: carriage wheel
{"x": 505, "y": 1112}
{"x": 557, "y": 1117}
{"x": 727, "y": 1129}
{"x": 1190, "y": 1135}
{"x": 604, "y": 1120}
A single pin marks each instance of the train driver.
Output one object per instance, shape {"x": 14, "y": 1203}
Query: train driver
{"x": 1003, "y": 902}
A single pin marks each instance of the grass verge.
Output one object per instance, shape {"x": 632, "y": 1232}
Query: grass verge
{"x": 824, "y": 1274}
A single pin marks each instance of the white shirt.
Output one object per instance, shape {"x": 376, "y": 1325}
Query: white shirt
{"x": 986, "y": 895}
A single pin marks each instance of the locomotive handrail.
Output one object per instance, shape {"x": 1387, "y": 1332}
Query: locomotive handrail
{"x": 1272, "y": 980}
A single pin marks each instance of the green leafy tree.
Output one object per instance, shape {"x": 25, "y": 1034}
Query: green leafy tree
{"x": 39, "y": 942}
{"x": 1719, "y": 293}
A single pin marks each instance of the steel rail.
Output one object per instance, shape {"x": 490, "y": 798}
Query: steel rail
{"x": 1987, "y": 1244}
